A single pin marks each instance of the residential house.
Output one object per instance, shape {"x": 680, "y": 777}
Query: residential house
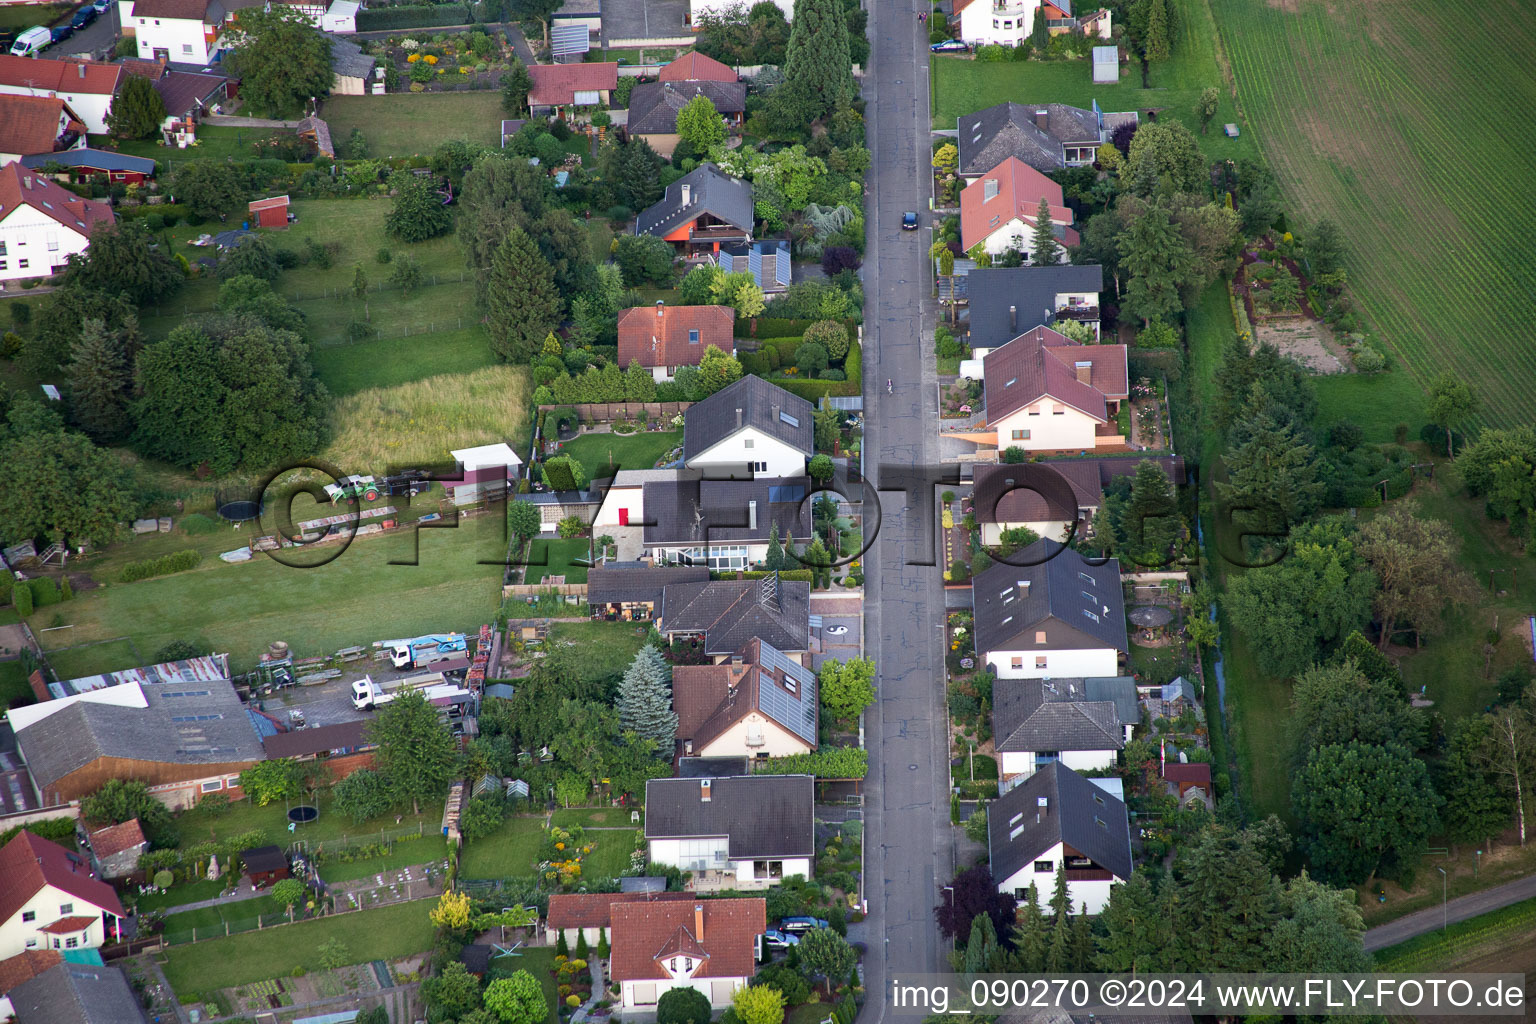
{"x": 998, "y": 211}
{"x": 41, "y": 223}
{"x": 1012, "y": 22}
{"x": 701, "y": 211}
{"x": 631, "y": 591}
{"x": 694, "y": 66}
{"x": 35, "y": 125}
{"x": 51, "y": 899}
{"x": 344, "y": 747}
{"x": 351, "y": 69}
{"x": 24, "y": 966}
{"x": 654, "y": 106}
{"x": 743, "y": 832}
{"x": 725, "y": 524}
{"x": 1031, "y": 495}
{"x": 189, "y": 95}
{"x": 623, "y": 502}
{"x": 488, "y": 472}
{"x": 1058, "y": 820}
{"x": 758, "y": 703}
{"x": 698, "y": 9}
{"x": 726, "y": 614}
{"x": 117, "y": 168}
{"x": 1051, "y": 614}
{"x": 749, "y": 428}
{"x": 72, "y": 993}
{"x": 184, "y": 740}
{"x": 184, "y": 31}
{"x": 115, "y": 850}
{"x": 709, "y": 946}
{"x": 1045, "y": 392}
{"x": 1006, "y": 301}
{"x": 87, "y": 86}
{"x": 558, "y": 86}
{"x": 664, "y": 338}
{"x": 1083, "y": 723}
{"x": 766, "y": 260}
{"x": 588, "y": 915}
{"x": 1046, "y": 136}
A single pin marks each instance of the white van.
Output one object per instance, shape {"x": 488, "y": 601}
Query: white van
{"x": 31, "y": 41}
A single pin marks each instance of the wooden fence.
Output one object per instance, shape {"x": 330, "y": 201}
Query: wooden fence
{"x": 541, "y": 589}
{"x": 601, "y": 412}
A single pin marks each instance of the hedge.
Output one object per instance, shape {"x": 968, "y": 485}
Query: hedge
{"x": 853, "y": 365}
{"x": 177, "y": 561}
{"x": 413, "y": 17}
{"x": 772, "y": 327}
{"x": 793, "y": 575}
{"x": 814, "y": 391}
{"x": 827, "y": 763}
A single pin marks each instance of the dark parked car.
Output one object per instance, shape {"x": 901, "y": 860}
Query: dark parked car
{"x": 950, "y": 46}
{"x": 83, "y": 17}
{"x": 801, "y": 924}
{"x": 62, "y": 32}
{"x": 909, "y": 221}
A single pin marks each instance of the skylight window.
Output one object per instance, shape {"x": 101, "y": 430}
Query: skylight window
{"x": 793, "y": 421}
{"x": 1090, "y": 615}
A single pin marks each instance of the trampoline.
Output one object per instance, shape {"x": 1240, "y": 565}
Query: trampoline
{"x": 239, "y": 511}
{"x": 1151, "y": 616}
{"x": 303, "y": 814}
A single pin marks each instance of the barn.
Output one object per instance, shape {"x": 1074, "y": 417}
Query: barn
{"x": 270, "y": 213}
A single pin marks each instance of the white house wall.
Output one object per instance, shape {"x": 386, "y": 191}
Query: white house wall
{"x": 642, "y": 995}
{"x": 772, "y": 740}
{"x": 91, "y": 106}
{"x": 1047, "y": 430}
{"x": 1094, "y": 893}
{"x": 981, "y": 24}
{"x": 749, "y": 445}
{"x": 746, "y": 876}
{"x": 992, "y": 533}
{"x": 183, "y": 39}
{"x": 630, "y": 498}
{"x": 1016, "y": 234}
{"x": 43, "y": 243}
{"x": 44, "y": 906}
{"x": 1059, "y": 664}
{"x": 719, "y": 7}
{"x": 1018, "y": 765}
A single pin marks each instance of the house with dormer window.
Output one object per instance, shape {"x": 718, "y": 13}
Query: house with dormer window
{"x": 757, "y": 703}
{"x": 709, "y": 946}
{"x": 1059, "y": 821}
{"x": 999, "y": 210}
{"x": 663, "y": 338}
{"x": 735, "y": 832}
{"x": 1083, "y": 723}
{"x": 749, "y": 429}
{"x": 50, "y": 898}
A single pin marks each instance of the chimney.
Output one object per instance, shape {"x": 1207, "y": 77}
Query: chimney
{"x": 1042, "y": 808}
{"x": 687, "y": 193}
{"x": 698, "y": 922}
{"x": 81, "y": 68}
{"x": 704, "y": 790}
{"x": 660, "y": 308}
{"x": 1013, "y": 318}
{"x": 26, "y": 181}
{"x": 1042, "y": 119}
{"x": 738, "y": 419}
{"x": 752, "y": 514}
{"x": 1084, "y": 371}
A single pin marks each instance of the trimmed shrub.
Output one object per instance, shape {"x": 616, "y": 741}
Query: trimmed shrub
{"x": 412, "y": 16}
{"x": 814, "y": 391}
{"x": 178, "y": 561}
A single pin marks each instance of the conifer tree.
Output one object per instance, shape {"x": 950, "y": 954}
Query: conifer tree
{"x": 645, "y": 700}
{"x": 1031, "y": 937}
{"x": 639, "y": 385}
{"x": 1047, "y": 250}
{"x": 1151, "y": 516}
{"x": 98, "y": 381}
{"x": 522, "y": 305}
{"x": 773, "y": 561}
{"x": 818, "y": 72}
{"x": 1157, "y": 42}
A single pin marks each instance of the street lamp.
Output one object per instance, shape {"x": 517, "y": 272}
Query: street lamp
{"x": 1476, "y": 862}
{"x": 1445, "y": 912}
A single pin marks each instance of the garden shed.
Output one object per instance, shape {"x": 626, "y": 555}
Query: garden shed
{"x": 1106, "y": 64}
{"x": 269, "y": 213}
{"x": 265, "y": 864}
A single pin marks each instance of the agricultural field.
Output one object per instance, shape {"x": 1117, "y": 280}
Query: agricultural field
{"x": 961, "y": 85}
{"x": 1363, "y": 112}
{"x": 409, "y": 124}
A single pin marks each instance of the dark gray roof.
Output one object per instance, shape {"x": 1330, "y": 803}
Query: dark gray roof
{"x": 1077, "y": 813}
{"x": 618, "y": 582}
{"x": 96, "y": 159}
{"x": 76, "y": 994}
{"x": 348, "y": 59}
{"x": 201, "y": 723}
{"x": 186, "y": 92}
{"x": 763, "y": 815}
{"x": 264, "y": 858}
{"x": 710, "y": 767}
{"x": 731, "y": 612}
{"x": 1028, "y": 290}
{"x": 645, "y": 883}
{"x": 690, "y": 511}
{"x": 1078, "y": 604}
{"x": 1052, "y": 714}
{"x": 653, "y": 106}
{"x": 711, "y": 191}
{"x": 750, "y": 402}
{"x": 1117, "y": 690}
{"x": 342, "y": 737}
{"x": 991, "y": 135}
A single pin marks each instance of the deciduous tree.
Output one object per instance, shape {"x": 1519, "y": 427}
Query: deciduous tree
{"x": 1165, "y": 156}
{"x": 120, "y": 800}
{"x": 517, "y": 1000}
{"x": 416, "y": 752}
{"x": 824, "y": 952}
{"x": 1332, "y": 704}
{"x": 120, "y": 259}
{"x": 451, "y": 994}
{"x": 759, "y": 1004}
{"x": 973, "y": 892}
{"x": 1451, "y": 403}
{"x": 717, "y": 369}
{"x": 363, "y": 794}
{"x": 699, "y": 124}
{"x": 1416, "y": 564}
{"x": 1364, "y": 810}
{"x": 643, "y": 259}
{"x": 847, "y": 687}
{"x": 683, "y": 1005}
{"x": 267, "y": 781}
{"x": 61, "y": 486}
{"x": 1210, "y": 100}
{"x": 282, "y": 60}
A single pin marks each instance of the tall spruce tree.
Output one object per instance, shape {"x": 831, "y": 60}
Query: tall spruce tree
{"x": 99, "y": 381}
{"x": 136, "y": 110}
{"x": 1158, "y": 45}
{"x": 1047, "y": 252}
{"x": 522, "y": 305}
{"x": 774, "y": 559}
{"x": 1151, "y": 516}
{"x": 818, "y": 73}
{"x": 1030, "y": 939}
{"x": 1158, "y": 262}
{"x": 645, "y": 700}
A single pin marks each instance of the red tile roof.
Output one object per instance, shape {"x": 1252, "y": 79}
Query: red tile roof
{"x": 1016, "y": 192}
{"x": 30, "y": 124}
{"x": 1041, "y": 364}
{"x": 114, "y": 839}
{"x": 20, "y": 186}
{"x": 25, "y": 966}
{"x": 591, "y": 909}
{"x": 1197, "y": 773}
{"x": 556, "y": 85}
{"x": 69, "y": 925}
{"x": 186, "y": 10}
{"x": 69, "y": 76}
{"x": 693, "y": 66}
{"x": 150, "y": 69}
{"x": 658, "y": 335}
{"x": 28, "y": 862}
{"x": 645, "y": 932}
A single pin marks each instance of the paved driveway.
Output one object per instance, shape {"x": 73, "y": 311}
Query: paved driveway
{"x": 100, "y": 35}
{"x": 837, "y": 646}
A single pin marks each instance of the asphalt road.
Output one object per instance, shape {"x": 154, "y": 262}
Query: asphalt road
{"x": 1461, "y": 908}
{"x": 906, "y": 795}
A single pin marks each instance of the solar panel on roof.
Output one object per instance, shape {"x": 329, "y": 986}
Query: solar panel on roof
{"x": 565, "y": 40}
{"x": 786, "y": 493}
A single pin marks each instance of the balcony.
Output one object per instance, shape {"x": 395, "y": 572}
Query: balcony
{"x": 1077, "y": 312}
{"x": 717, "y": 233}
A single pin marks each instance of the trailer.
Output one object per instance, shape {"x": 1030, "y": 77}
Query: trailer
{"x": 434, "y": 686}
{"x": 428, "y": 649}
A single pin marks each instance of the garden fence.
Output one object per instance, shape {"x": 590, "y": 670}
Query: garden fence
{"x": 324, "y": 849}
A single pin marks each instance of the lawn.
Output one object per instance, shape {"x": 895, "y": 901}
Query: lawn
{"x": 599, "y": 817}
{"x": 410, "y": 124}
{"x": 1376, "y": 402}
{"x": 1361, "y": 110}
{"x": 355, "y": 599}
{"x": 607, "y": 647}
{"x": 509, "y": 852}
{"x": 407, "y": 854}
{"x": 347, "y": 369}
{"x": 384, "y": 933}
{"x": 962, "y": 85}
{"x": 538, "y": 961}
{"x": 87, "y": 661}
{"x": 605, "y": 454}
{"x": 177, "y": 895}
{"x": 24, "y": 16}
{"x": 214, "y": 142}
{"x": 549, "y": 557}
{"x": 197, "y": 825}
{"x": 208, "y": 922}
